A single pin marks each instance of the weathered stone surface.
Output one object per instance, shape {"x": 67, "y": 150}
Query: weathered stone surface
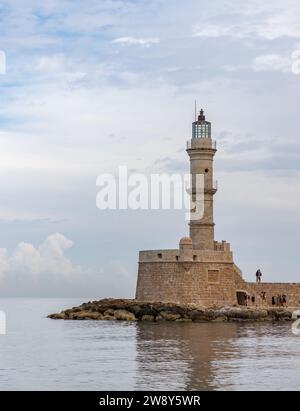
{"x": 201, "y": 315}
{"x": 58, "y": 316}
{"x": 143, "y": 310}
{"x": 132, "y": 310}
{"x": 280, "y": 314}
{"x": 108, "y": 318}
{"x": 85, "y": 315}
{"x": 109, "y": 312}
{"x": 169, "y": 315}
{"x": 124, "y": 315}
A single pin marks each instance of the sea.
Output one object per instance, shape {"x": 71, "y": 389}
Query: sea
{"x": 37, "y": 353}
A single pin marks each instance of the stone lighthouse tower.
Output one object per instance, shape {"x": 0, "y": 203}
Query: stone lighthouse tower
{"x": 201, "y": 270}
{"x": 201, "y": 150}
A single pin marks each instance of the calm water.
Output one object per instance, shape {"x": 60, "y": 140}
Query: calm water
{"x": 38, "y": 353}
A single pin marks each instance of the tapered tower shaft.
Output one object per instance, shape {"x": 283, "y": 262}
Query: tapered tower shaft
{"x": 201, "y": 150}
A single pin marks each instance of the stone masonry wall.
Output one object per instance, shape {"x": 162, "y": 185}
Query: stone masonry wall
{"x": 205, "y": 284}
{"x": 291, "y": 290}
{"x": 187, "y": 282}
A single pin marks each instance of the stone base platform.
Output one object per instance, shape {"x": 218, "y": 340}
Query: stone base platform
{"x": 133, "y": 310}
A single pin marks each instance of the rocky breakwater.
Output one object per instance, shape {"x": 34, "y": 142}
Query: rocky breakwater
{"x": 133, "y": 310}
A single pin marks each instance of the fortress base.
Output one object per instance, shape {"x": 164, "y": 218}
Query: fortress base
{"x": 205, "y": 278}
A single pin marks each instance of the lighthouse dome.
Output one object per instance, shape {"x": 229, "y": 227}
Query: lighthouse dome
{"x": 186, "y": 241}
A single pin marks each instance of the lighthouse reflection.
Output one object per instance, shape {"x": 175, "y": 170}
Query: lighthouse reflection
{"x": 176, "y": 356}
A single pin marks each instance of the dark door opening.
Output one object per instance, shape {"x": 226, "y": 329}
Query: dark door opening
{"x": 241, "y": 297}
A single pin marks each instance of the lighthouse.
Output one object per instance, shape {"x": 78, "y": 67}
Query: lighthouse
{"x": 201, "y": 150}
{"x": 201, "y": 270}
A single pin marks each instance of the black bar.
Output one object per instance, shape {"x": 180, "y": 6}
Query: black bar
{"x": 204, "y": 400}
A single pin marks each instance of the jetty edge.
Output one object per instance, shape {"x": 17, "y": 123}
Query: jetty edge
{"x": 134, "y": 310}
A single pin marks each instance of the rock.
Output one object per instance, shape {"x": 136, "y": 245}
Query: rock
{"x": 78, "y": 309}
{"x": 108, "y": 318}
{"x": 58, "y": 316}
{"x": 132, "y": 310}
{"x": 169, "y": 315}
{"x": 171, "y": 308}
{"x": 258, "y": 314}
{"x": 200, "y": 315}
{"x": 143, "y": 310}
{"x": 124, "y": 315}
{"x": 110, "y": 312}
{"x": 278, "y": 314}
{"x": 67, "y": 313}
{"x": 85, "y": 315}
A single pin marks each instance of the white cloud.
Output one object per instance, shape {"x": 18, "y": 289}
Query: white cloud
{"x": 272, "y": 62}
{"x": 56, "y": 62}
{"x": 144, "y": 42}
{"x": 46, "y": 259}
{"x": 58, "y": 65}
{"x": 213, "y": 30}
{"x": 2, "y": 62}
{"x": 284, "y": 22}
{"x": 268, "y": 21}
{"x": 45, "y": 270}
{"x": 74, "y": 131}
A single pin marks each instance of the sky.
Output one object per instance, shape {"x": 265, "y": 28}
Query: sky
{"x": 91, "y": 85}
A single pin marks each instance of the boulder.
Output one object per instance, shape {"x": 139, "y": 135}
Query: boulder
{"x": 85, "y": 315}
{"x": 108, "y": 312}
{"x": 169, "y": 315}
{"x": 201, "y": 315}
{"x": 143, "y": 310}
{"x": 124, "y": 315}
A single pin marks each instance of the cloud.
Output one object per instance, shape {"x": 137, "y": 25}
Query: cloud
{"x": 171, "y": 165}
{"x": 56, "y": 62}
{"x": 257, "y": 152}
{"x": 58, "y": 65}
{"x": 269, "y": 21}
{"x": 2, "y": 62}
{"x": 214, "y": 31}
{"x": 46, "y": 270}
{"x": 283, "y": 22}
{"x": 272, "y": 62}
{"x": 46, "y": 259}
{"x": 130, "y": 41}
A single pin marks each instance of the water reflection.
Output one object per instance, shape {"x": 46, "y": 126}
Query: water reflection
{"x": 181, "y": 356}
{"x": 217, "y": 357}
